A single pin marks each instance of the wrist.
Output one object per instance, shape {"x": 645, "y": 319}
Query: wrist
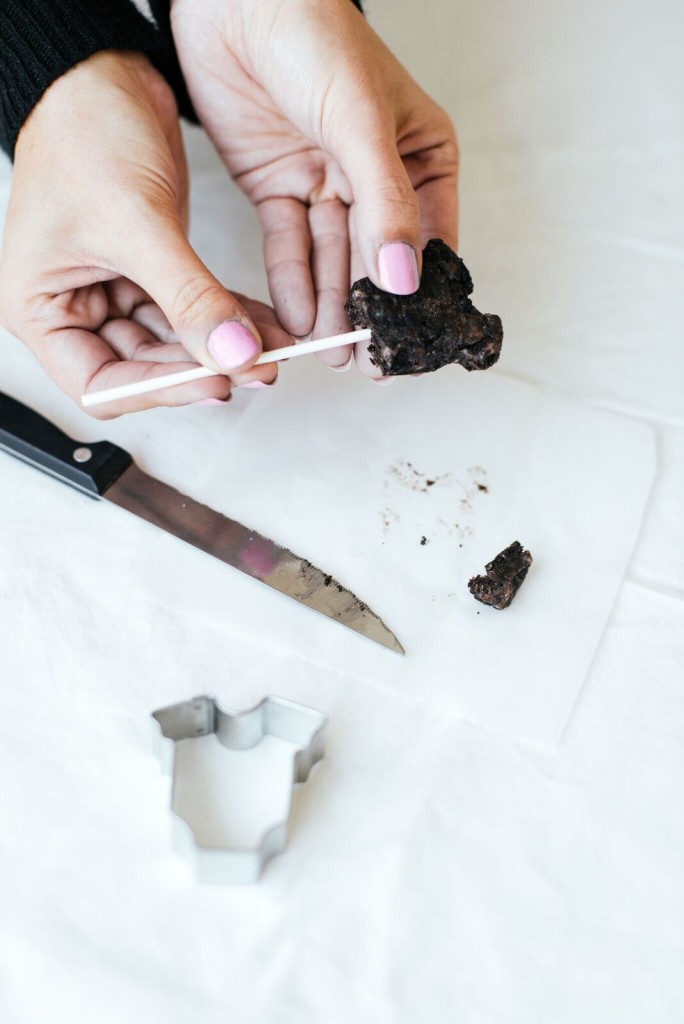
{"x": 40, "y": 42}
{"x": 77, "y": 92}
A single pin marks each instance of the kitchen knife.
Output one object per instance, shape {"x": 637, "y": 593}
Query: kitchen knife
{"x": 102, "y": 470}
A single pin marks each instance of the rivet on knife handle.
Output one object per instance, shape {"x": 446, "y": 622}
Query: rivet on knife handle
{"x": 28, "y": 435}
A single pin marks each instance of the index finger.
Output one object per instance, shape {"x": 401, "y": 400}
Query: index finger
{"x": 438, "y": 204}
{"x": 81, "y": 362}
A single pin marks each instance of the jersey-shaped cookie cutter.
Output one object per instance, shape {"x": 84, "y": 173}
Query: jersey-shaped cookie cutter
{"x": 238, "y": 730}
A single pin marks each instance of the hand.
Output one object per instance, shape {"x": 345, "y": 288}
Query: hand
{"x": 351, "y": 166}
{"x": 97, "y": 275}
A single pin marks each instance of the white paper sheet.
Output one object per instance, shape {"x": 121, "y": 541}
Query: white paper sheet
{"x": 403, "y": 510}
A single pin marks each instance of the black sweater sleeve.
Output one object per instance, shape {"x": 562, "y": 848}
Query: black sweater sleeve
{"x": 41, "y": 39}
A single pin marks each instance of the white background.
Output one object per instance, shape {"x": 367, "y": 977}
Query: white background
{"x": 436, "y": 870}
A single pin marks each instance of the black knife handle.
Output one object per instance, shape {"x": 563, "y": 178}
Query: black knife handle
{"x": 89, "y": 467}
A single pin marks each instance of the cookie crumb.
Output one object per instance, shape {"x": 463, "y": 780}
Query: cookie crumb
{"x": 505, "y": 574}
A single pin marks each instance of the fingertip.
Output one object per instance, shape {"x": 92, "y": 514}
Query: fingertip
{"x": 296, "y": 318}
{"x": 363, "y": 360}
{"x": 233, "y": 346}
{"x": 343, "y": 367}
{"x": 266, "y": 374}
{"x": 256, "y": 384}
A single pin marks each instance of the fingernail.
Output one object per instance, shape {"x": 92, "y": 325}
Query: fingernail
{"x": 231, "y": 344}
{"x": 345, "y": 366}
{"x": 212, "y": 401}
{"x": 398, "y": 269}
{"x": 255, "y": 384}
{"x": 383, "y": 380}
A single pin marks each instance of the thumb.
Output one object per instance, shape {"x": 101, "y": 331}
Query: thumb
{"x": 207, "y": 319}
{"x": 386, "y": 213}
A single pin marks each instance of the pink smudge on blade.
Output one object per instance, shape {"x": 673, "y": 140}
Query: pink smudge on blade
{"x": 258, "y": 558}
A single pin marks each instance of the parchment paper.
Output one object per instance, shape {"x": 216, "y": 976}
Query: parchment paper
{"x": 403, "y": 493}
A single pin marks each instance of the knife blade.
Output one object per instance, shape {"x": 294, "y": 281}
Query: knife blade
{"x": 102, "y": 470}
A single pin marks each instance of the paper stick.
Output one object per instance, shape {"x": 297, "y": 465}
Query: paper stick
{"x": 168, "y": 380}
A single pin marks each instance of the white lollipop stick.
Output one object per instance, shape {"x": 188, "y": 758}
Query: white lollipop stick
{"x": 168, "y": 380}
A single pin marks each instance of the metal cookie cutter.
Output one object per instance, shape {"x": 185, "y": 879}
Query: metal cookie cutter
{"x": 238, "y": 730}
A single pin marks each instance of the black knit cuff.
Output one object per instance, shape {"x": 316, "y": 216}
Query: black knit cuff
{"x": 41, "y": 39}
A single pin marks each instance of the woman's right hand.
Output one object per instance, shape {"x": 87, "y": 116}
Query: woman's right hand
{"x": 351, "y": 166}
{"x": 96, "y": 274}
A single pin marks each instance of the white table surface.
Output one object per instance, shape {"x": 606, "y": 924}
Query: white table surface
{"x": 436, "y": 871}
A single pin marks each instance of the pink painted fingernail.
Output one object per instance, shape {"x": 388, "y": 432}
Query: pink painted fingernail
{"x": 231, "y": 345}
{"x": 383, "y": 380}
{"x": 212, "y": 401}
{"x": 398, "y": 269}
{"x": 255, "y": 384}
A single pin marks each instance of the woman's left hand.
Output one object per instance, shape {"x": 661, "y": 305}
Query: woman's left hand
{"x": 351, "y": 166}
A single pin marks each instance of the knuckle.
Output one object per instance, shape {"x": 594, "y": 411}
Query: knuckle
{"x": 196, "y": 300}
{"x": 333, "y": 293}
{"x": 288, "y": 265}
{"x": 331, "y": 240}
{"x": 282, "y": 231}
{"x": 445, "y": 151}
{"x": 102, "y": 416}
{"x": 398, "y": 194}
{"x": 147, "y": 199}
{"x": 449, "y": 156}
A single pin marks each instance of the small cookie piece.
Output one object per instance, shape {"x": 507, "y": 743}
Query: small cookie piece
{"x": 436, "y": 325}
{"x": 505, "y": 574}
